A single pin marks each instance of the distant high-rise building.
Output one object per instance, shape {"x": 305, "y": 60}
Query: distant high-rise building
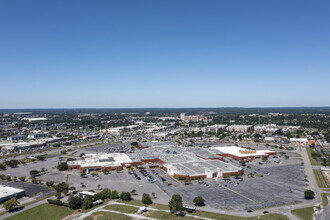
{"x": 182, "y": 115}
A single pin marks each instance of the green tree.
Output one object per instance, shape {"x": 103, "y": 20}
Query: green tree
{"x": 146, "y": 199}
{"x": 34, "y": 173}
{"x": 61, "y": 187}
{"x": 50, "y": 183}
{"x": 106, "y": 193}
{"x": 22, "y": 178}
{"x": 11, "y": 204}
{"x": 40, "y": 157}
{"x": 87, "y": 203}
{"x": 199, "y": 201}
{"x": 105, "y": 171}
{"x": 175, "y": 204}
{"x": 62, "y": 166}
{"x": 75, "y": 202}
{"x": 309, "y": 194}
{"x": 12, "y": 163}
{"x": 2, "y": 166}
{"x": 126, "y": 196}
{"x": 58, "y": 195}
{"x": 114, "y": 194}
{"x": 153, "y": 195}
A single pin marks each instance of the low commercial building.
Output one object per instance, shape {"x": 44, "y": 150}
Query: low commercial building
{"x": 239, "y": 128}
{"x": 37, "y": 135}
{"x": 35, "y": 119}
{"x": 7, "y": 193}
{"x": 16, "y": 138}
{"x": 302, "y": 141}
{"x": 239, "y": 153}
{"x": 100, "y": 162}
{"x": 187, "y": 163}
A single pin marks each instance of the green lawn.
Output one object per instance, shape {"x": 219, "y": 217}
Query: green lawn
{"x": 311, "y": 159}
{"x": 165, "y": 215}
{"x": 319, "y": 179}
{"x": 230, "y": 217}
{"x": 139, "y": 203}
{"x": 107, "y": 216}
{"x": 122, "y": 208}
{"x": 42, "y": 212}
{"x": 325, "y": 200}
{"x": 304, "y": 213}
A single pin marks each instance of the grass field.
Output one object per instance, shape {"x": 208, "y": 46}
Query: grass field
{"x": 304, "y": 213}
{"x": 166, "y": 215}
{"x": 41, "y": 212}
{"x": 107, "y": 216}
{"x": 325, "y": 200}
{"x": 311, "y": 159}
{"x": 319, "y": 179}
{"x": 122, "y": 208}
{"x": 139, "y": 203}
{"x": 230, "y": 217}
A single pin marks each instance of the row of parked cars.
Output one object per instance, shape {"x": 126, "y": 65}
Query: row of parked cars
{"x": 133, "y": 173}
{"x": 148, "y": 176}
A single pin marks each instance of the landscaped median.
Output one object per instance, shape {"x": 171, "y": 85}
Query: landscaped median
{"x": 319, "y": 179}
{"x": 311, "y": 159}
{"x": 304, "y": 213}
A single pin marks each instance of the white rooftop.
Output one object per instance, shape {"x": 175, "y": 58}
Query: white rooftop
{"x": 237, "y": 151}
{"x": 7, "y": 191}
{"x": 102, "y": 160}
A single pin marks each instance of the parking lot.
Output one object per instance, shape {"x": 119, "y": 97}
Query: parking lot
{"x": 275, "y": 182}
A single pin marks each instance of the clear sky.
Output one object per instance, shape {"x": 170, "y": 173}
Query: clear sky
{"x": 173, "y": 53}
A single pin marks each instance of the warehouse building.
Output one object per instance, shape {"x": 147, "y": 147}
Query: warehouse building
{"x": 7, "y": 193}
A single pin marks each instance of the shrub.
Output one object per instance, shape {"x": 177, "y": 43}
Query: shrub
{"x": 146, "y": 199}
{"x": 126, "y": 196}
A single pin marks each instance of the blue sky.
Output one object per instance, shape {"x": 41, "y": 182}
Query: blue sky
{"x": 111, "y": 54}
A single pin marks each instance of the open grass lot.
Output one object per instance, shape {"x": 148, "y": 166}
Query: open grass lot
{"x": 165, "y": 215}
{"x": 122, "y": 208}
{"x": 311, "y": 159}
{"x": 107, "y": 216}
{"x": 325, "y": 200}
{"x": 44, "y": 211}
{"x": 319, "y": 179}
{"x": 230, "y": 217}
{"x": 304, "y": 213}
{"x": 139, "y": 203}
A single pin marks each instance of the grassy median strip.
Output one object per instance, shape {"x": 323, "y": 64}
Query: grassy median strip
{"x": 107, "y": 216}
{"x": 325, "y": 200}
{"x": 139, "y": 203}
{"x": 311, "y": 159}
{"x": 304, "y": 213}
{"x": 122, "y": 208}
{"x": 231, "y": 217}
{"x": 42, "y": 212}
{"x": 319, "y": 179}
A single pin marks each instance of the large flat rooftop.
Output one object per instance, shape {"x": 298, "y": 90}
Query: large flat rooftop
{"x": 240, "y": 152}
{"x": 8, "y": 191}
